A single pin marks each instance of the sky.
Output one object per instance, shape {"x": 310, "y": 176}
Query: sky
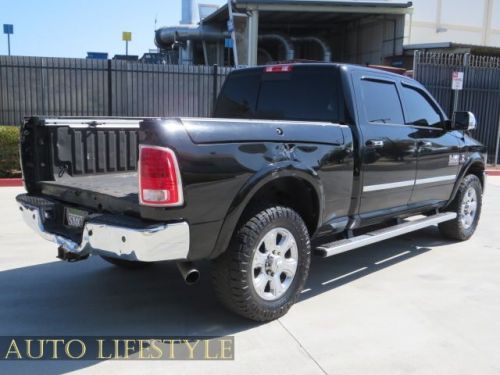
{"x": 70, "y": 28}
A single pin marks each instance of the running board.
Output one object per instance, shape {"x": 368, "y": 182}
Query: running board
{"x": 352, "y": 243}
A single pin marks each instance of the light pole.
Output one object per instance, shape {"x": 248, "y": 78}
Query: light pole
{"x": 127, "y": 37}
{"x": 8, "y": 29}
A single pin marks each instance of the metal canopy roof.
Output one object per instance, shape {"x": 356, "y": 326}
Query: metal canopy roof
{"x": 355, "y": 3}
{"x": 317, "y": 6}
{"x": 474, "y": 49}
{"x": 309, "y": 20}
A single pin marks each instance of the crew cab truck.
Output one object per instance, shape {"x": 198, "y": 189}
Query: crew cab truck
{"x": 298, "y": 159}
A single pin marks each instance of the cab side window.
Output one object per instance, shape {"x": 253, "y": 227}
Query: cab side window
{"x": 418, "y": 109}
{"x": 381, "y": 101}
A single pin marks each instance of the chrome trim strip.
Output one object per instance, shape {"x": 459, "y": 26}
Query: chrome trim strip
{"x": 420, "y": 181}
{"x": 260, "y": 121}
{"x": 383, "y": 234}
{"x": 93, "y": 122}
{"x": 391, "y": 185}
{"x": 150, "y": 244}
{"x": 435, "y": 179}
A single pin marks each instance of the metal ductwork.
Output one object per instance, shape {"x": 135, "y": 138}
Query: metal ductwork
{"x": 327, "y": 52}
{"x": 189, "y": 16}
{"x": 166, "y": 36}
{"x": 183, "y": 35}
{"x": 284, "y": 41}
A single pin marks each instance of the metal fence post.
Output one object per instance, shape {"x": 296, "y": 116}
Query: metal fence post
{"x": 215, "y": 86}
{"x": 416, "y": 57}
{"x": 43, "y": 72}
{"x": 498, "y": 143}
{"x": 110, "y": 90}
{"x": 456, "y": 93}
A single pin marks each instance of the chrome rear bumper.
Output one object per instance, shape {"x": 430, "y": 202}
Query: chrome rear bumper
{"x": 148, "y": 244}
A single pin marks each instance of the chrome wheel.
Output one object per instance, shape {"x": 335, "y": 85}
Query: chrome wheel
{"x": 274, "y": 264}
{"x": 468, "y": 208}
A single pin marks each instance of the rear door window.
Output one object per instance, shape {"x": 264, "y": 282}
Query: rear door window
{"x": 381, "y": 102}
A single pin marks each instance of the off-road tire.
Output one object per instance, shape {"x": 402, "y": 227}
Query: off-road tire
{"x": 455, "y": 229}
{"x": 232, "y": 272}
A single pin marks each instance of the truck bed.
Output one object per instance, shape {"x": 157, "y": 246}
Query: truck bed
{"x": 85, "y": 161}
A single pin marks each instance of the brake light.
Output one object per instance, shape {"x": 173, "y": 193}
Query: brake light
{"x": 278, "y": 69}
{"x": 159, "y": 177}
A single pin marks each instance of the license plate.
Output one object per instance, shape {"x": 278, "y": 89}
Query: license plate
{"x": 75, "y": 218}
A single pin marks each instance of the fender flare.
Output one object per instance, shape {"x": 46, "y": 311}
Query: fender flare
{"x": 474, "y": 159}
{"x": 266, "y": 175}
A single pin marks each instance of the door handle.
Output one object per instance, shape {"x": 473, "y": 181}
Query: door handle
{"x": 374, "y": 143}
{"x": 424, "y": 144}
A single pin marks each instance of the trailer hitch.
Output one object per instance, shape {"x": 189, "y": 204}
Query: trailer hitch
{"x": 69, "y": 256}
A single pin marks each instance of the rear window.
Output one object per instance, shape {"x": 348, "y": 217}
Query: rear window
{"x": 306, "y": 93}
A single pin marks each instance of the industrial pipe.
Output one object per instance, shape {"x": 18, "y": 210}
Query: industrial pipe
{"x": 166, "y": 36}
{"x": 327, "y": 52}
{"x": 287, "y": 44}
{"x": 189, "y": 16}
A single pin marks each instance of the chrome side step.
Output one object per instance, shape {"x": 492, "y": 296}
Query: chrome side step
{"x": 342, "y": 246}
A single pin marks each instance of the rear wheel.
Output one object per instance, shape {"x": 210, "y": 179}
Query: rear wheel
{"x": 467, "y": 204}
{"x": 127, "y": 264}
{"x": 261, "y": 274}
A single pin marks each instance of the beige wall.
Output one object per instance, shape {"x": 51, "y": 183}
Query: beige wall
{"x": 461, "y": 21}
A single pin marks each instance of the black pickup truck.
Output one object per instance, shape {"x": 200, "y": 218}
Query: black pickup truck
{"x": 298, "y": 159}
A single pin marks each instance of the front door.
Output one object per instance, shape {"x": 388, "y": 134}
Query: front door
{"x": 388, "y": 152}
{"x": 437, "y": 149}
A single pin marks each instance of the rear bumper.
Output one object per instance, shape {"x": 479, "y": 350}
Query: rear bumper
{"x": 150, "y": 243}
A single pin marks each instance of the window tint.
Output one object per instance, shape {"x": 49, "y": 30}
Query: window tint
{"x": 418, "y": 110}
{"x": 301, "y": 95}
{"x": 381, "y": 101}
{"x": 238, "y": 97}
{"x": 307, "y": 93}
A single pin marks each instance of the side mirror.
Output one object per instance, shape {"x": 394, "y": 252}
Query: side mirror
{"x": 464, "y": 121}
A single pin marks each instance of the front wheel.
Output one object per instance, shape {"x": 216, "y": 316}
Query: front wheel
{"x": 261, "y": 274}
{"x": 467, "y": 204}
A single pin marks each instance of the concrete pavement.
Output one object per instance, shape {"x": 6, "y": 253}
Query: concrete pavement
{"x": 416, "y": 304}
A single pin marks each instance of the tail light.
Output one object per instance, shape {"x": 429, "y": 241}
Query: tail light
{"x": 159, "y": 177}
{"x": 278, "y": 69}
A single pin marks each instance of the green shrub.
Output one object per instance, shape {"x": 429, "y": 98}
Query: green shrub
{"x": 9, "y": 152}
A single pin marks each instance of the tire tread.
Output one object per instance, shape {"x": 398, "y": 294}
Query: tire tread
{"x": 229, "y": 270}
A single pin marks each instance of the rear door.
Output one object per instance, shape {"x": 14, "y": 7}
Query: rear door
{"x": 437, "y": 149}
{"x": 388, "y": 159}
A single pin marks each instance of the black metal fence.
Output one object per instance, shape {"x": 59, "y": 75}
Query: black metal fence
{"x": 480, "y": 94}
{"x": 80, "y": 87}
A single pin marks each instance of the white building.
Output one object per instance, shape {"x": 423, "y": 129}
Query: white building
{"x": 474, "y": 22}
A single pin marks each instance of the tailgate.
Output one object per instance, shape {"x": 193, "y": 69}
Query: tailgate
{"x": 85, "y": 161}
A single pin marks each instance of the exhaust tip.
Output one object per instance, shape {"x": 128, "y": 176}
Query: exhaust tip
{"x": 189, "y": 273}
{"x": 192, "y": 277}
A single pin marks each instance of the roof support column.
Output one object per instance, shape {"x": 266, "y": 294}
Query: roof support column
{"x": 253, "y": 37}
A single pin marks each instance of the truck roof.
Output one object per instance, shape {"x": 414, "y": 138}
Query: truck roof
{"x": 346, "y": 66}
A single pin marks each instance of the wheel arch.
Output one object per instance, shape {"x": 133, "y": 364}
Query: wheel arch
{"x": 475, "y": 165}
{"x": 277, "y": 185}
